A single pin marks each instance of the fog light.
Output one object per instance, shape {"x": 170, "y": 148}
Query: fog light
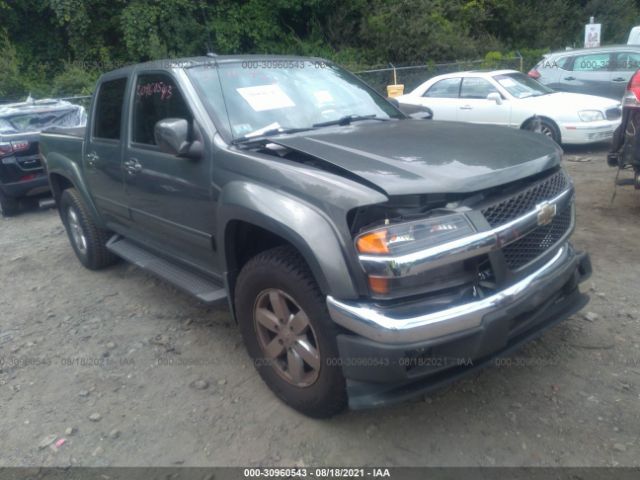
{"x": 379, "y": 285}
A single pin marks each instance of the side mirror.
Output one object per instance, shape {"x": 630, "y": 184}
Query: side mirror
{"x": 394, "y": 102}
{"x": 417, "y": 112}
{"x": 172, "y": 136}
{"x": 496, "y": 97}
{"x": 423, "y": 115}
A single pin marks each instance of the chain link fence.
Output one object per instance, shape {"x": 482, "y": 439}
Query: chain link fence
{"x": 413, "y": 75}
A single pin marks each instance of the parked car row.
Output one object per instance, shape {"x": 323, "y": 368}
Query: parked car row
{"x": 603, "y": 71}
{"x": 512, "y": 99}
{"x": 21, "y": 170}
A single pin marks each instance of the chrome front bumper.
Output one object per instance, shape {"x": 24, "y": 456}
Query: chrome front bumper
{"x": 395, "y": 326}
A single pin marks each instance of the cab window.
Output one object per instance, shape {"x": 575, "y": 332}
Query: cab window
{"x": 592, "y": 62}
{"x": 156, "y": 97}
{"x": 473, "y": 87}
{"x": 447, "y": 88}
{"x": 627, "y": 61}
{"x": 108, "y": 113}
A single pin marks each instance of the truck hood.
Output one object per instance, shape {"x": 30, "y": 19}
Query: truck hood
{"x": 404, "y": 157}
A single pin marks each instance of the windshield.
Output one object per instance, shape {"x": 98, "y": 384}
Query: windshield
{"x": 521, "y": 86}
{"x": 258, "y": 96}
{"x": 38, "y": 121}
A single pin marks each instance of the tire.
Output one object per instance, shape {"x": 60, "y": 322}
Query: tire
{"x": 87, "y": 239}
{"x": 268, "y": 279}
{"x": 9, "y": 206}
{"x": 550, "y": 129}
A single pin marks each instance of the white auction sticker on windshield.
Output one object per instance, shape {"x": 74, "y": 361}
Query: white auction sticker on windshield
{"x": 323, "y": 96}
{"x": 265, "y": 97}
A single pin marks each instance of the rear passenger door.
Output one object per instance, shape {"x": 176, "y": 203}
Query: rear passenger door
{"x": 169, "y": 196}
{"x": 590, "y": 73}
{"x": 103, "y": 151}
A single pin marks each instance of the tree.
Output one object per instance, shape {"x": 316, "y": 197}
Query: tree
{"x": 10, "y": 83}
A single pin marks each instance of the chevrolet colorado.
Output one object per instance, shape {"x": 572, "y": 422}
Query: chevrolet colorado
{"x": 366, "y": 256}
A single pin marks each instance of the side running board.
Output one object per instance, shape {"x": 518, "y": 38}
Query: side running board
{"x": 202, "y": 288}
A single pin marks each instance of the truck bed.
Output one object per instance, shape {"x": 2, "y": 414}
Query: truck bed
{"x": 62, "y": 147}
{"x": 69, "y": 131}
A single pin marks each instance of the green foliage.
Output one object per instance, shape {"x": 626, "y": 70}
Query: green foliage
{"x": 74, "y": 80}
{"x": 492, "y": 60}
{"x": 10, "y": 82}
{"x": 55, "y": 47}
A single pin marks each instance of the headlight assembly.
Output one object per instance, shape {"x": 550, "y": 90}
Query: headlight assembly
{"x": 404, "y": 238}
{"x": 590, "y": 115}
{"x": 400, "y": 240}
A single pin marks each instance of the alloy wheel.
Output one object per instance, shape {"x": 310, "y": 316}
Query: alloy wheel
{"x": 286, "y": 337}
{"x": 77, "y": 234}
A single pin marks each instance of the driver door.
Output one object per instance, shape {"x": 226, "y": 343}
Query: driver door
{"x": 475, "y": 107}
{"x": 169, "y": 196}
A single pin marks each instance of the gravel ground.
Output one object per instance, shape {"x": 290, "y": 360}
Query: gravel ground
{"x": 118, "y": 368}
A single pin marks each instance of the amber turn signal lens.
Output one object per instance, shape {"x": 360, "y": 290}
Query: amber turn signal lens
{"x": 379, "y": 285}
{"x": 373, "y": 242}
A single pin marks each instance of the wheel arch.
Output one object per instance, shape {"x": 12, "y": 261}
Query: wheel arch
{"x": 59, "y": 183}
{"x": 253, "y": 218}
{"x": 60, "y": 180}
{"x": 542, "y": 118}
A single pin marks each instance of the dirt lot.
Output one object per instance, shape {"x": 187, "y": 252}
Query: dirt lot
{"x": 131, "y": 372}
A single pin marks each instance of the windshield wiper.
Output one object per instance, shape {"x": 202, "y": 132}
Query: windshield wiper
{"x": 347, "y": 119}
{"x": 268, "y": 133}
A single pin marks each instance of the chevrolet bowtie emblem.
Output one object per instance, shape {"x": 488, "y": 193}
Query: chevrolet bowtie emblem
{"x": 546, "y": 212}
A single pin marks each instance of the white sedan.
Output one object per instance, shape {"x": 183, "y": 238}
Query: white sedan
{"x": 509, "y": 98}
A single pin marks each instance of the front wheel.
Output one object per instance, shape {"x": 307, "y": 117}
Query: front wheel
{"x": 87, "y": 239}
{"x": 550, "y": 129}
{"x": 288, "y": 332}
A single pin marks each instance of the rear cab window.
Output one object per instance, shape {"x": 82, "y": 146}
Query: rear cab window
{"x": 107, "y": 123}
{"x": 156, "y": 97}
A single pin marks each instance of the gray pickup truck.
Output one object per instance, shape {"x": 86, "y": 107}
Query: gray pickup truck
{"x": 367, "y": 256}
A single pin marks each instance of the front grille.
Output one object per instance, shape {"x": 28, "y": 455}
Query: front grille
{"x": 525, "y": 201}
{"x": 613, "y": 113}
{"x": 538, "y": 241}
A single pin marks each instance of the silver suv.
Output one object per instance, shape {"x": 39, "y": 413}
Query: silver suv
{"x": 603, "y": 71}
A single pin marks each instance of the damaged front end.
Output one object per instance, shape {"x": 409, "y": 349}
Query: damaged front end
{"x": 456, "y": 278}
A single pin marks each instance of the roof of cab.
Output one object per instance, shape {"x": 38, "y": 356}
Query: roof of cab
{"x": 211, "y": 60}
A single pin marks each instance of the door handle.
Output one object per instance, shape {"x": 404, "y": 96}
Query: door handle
{"x": 466, "y": 107}
{"x": 92, "y": 159}
{"x": 619, "y": 79}
{"x": 132, "y": 166}
{"x": 569, "y": 78}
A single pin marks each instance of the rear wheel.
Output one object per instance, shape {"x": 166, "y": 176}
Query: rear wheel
{"x": 87, "y": 239}
{"x": 9, "y": 206}
{"x": 288, "y": 332}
